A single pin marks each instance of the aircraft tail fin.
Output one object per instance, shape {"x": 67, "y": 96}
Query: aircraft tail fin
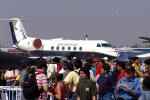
{"x": 84, "y": 36}
{"x": 17, "y": 30}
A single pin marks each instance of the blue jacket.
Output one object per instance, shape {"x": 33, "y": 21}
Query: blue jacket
{"x": 133, "y": 83}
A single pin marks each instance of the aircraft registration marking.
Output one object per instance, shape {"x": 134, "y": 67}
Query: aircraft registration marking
{"x": 67, "y": 44}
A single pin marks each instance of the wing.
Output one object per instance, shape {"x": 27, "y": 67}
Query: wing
{"x": 145, "y": 38}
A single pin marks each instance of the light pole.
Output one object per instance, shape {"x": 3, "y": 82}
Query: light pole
{"x": 116, "y": 12}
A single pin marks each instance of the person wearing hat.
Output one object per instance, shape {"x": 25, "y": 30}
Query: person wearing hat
{"x": 26, "y": 68}
{"x": 86, "y": 89}
{"x": 95, "y": 62}
{"x": 26, "y": 65}
{"x": 98, "y": 66}
{"x": 106, "y": 61}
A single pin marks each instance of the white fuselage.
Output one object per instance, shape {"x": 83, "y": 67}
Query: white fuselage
{"x": 59, "y": 45}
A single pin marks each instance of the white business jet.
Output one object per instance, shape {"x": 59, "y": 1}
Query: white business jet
{"x": 58, "y": 47}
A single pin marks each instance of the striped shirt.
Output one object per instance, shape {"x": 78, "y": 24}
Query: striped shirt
{"x": 41, "y": 81}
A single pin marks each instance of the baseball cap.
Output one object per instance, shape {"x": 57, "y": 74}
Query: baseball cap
{"x": 105, "y": 58}
{"x": 96, "y": 60}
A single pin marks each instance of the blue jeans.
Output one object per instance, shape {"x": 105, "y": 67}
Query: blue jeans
{"x": 74, "y": 97}
{"x": 107, "y": 96}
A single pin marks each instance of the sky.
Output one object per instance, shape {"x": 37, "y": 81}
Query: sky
{"x": 119, "y": 22}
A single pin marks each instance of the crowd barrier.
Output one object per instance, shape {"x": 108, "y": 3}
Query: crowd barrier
{"x": 10, "y": 93}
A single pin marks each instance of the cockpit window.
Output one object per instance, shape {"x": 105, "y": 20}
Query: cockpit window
{"x": 98, "y": 45}
{"x": 106, "y": 45}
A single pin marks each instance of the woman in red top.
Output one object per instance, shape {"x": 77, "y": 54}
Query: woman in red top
{"x": 60, "y": 89}
{"x": 121, "y": 69}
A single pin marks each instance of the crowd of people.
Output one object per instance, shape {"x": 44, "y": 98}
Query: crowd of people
{"x": 83, "y": 79}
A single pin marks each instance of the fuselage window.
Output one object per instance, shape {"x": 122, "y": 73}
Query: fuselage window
{"x": 57, "y": 48}
{"x": 63, "y": 48}
{"x": 80, "y": 48}
{"x": 52, "y": 47}
{"x": 106, "y": 45}
{"x": 69, "y": 48}
{"x": 98, "y": 45}
{"x": 74, "y": 48}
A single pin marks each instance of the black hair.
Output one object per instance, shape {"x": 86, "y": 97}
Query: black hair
{"x": 106, "y": 67}
{"x": 41, "y": 64}
{"x": 130, "y": 70}
{"x": 69, "y": 65}
{"x": 146, "y": 82}
{"x": 77, "y": 63}
{"x": 102, "y": 61}
{"x": 121, "y": 64}
{"x": 115, "y": 61}
{"x": 56, "y": 75}
{"x": 89, "y": 60}
{"x": 135, "y": 58}
{"x": 147, "y": 61}
{"x": 39, "y": 60}
{"x": 86, "y": 71}
{"x": 56, "y": 60}
{"x": 26, "y": 62}
{"x": 88, "y": 65}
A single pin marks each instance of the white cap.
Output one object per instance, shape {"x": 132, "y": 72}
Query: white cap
{"x": 105, "y": 58}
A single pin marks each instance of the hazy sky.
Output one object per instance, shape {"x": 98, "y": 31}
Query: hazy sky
{"x": 110, "y": 20}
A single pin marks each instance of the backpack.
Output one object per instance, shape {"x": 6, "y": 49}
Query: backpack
{"x": 30, "y": 88}
{"x": 80, "y": 79}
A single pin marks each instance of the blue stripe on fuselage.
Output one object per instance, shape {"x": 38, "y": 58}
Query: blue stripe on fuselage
{"x": 13, "y": 33}
{"x": 71, "y": 54}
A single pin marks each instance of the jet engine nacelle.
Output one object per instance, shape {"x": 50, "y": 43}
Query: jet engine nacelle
{"x": 30, "y": 44}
